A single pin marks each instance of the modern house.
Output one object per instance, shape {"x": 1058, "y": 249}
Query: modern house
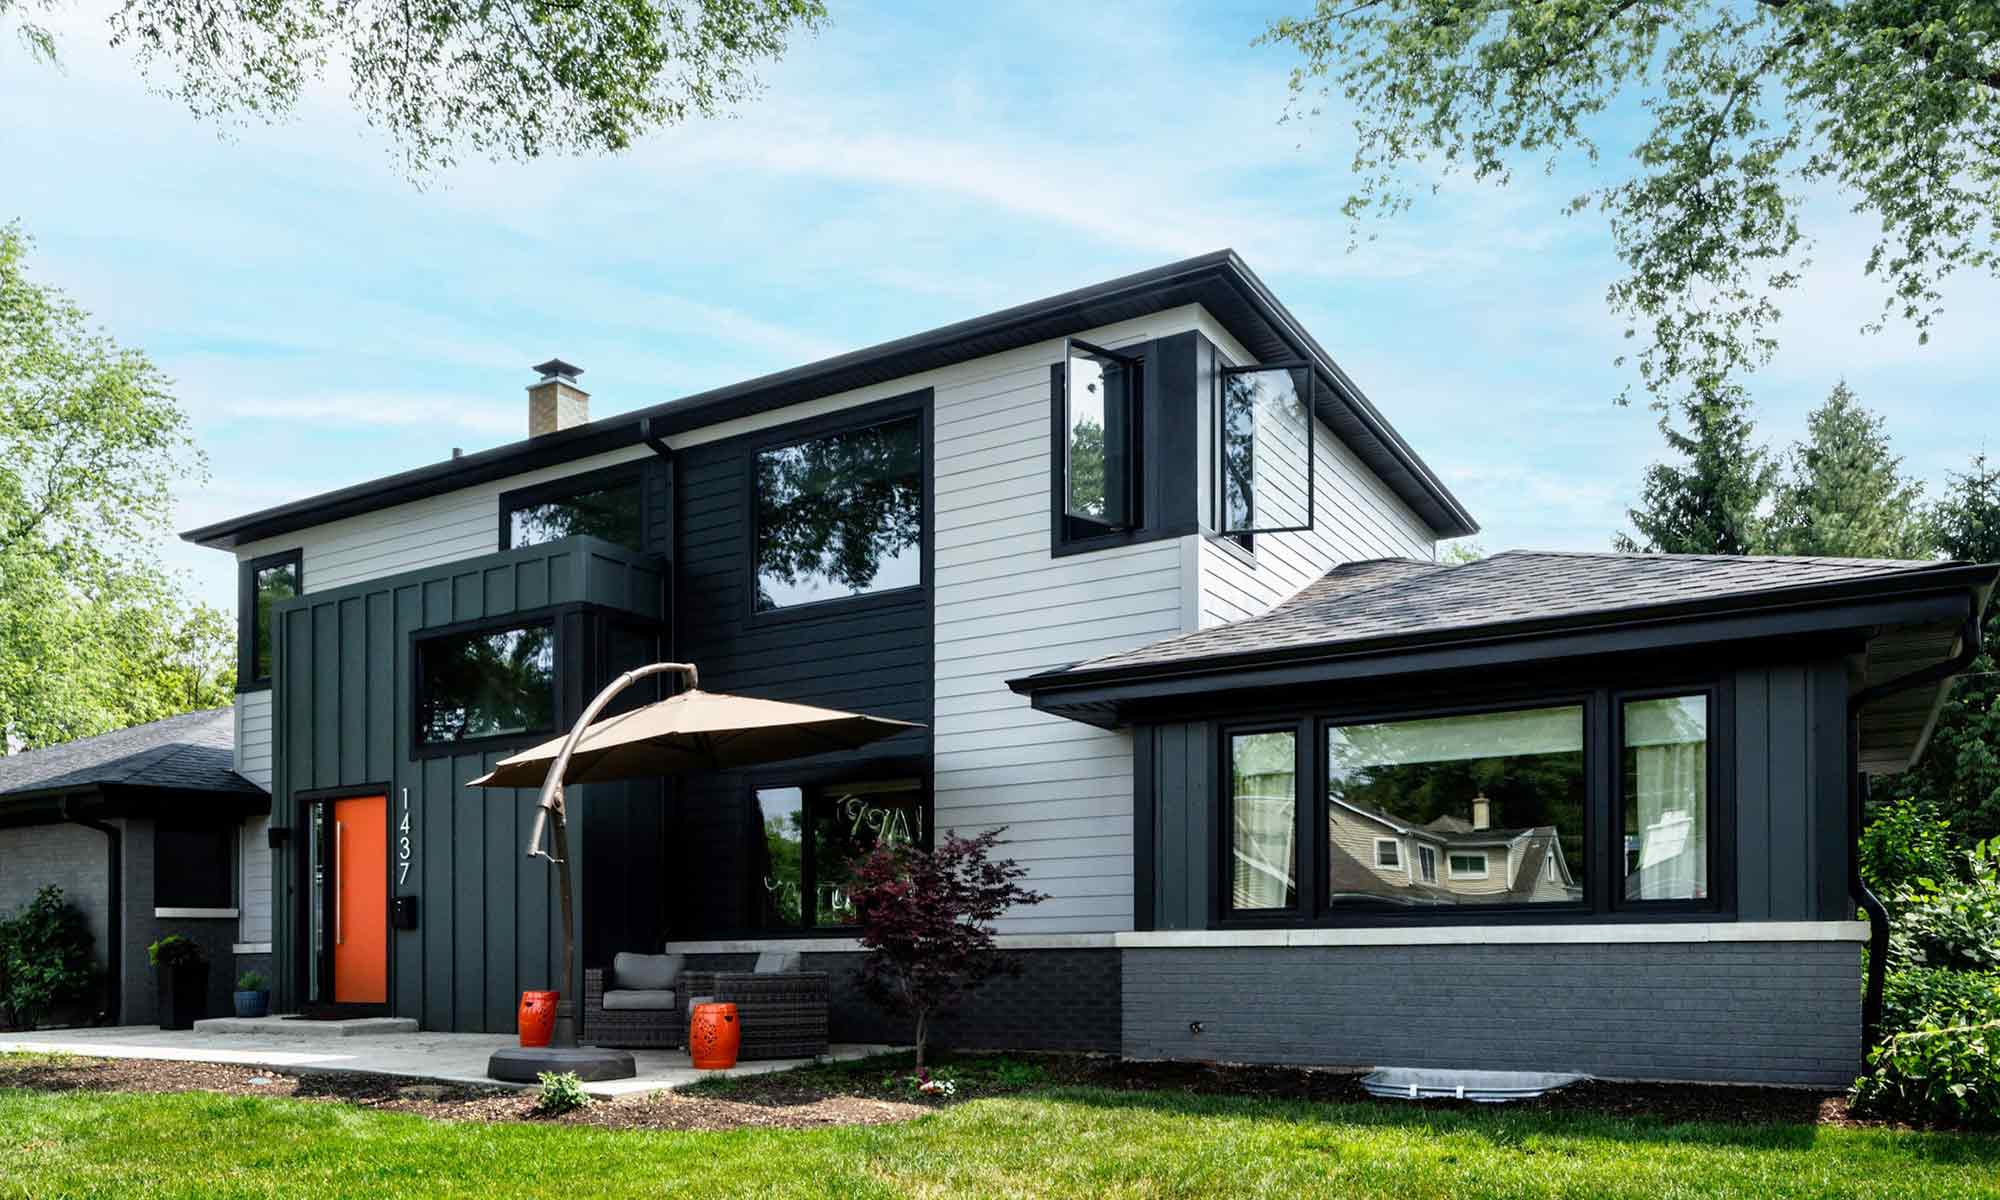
{"x": 1160, "y": 583}
{"x": 148, "y": 831}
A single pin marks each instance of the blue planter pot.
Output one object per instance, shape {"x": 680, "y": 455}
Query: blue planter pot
{"x": 253, "y": 1004}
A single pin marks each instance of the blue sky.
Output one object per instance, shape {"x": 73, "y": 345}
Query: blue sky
{"x": 326, "y": 322}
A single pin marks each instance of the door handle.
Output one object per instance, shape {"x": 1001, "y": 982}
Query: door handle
{"x": 339, "y": 874}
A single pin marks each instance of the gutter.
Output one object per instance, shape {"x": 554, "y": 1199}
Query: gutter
{"x": 114, "y": 910}
{"x": 1877, "y": 912}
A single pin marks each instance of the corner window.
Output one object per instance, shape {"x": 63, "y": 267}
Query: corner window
{"x": 1098, "y": 460}
{"x": 602, "y": 504}
{"x": 1263, "y": 807}
{"x": 263, "y": 583}
{"x": 1264, "y": 450}
{"x": 491, "y": 683}
{"x": 812, "y": 837}
{"x": 1665, "y": 817}
{"x": 1480, "y": 788}
{"x": 841, "y": 515}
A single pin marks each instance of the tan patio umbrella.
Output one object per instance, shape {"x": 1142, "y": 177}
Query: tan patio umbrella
{"x": 693, "y": 731}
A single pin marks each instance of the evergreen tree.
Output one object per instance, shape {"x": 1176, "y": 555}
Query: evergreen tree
{"x": 1843, "y": 493}
{"x": 1960, "y": 770}
{"x": 1710, "y": 505}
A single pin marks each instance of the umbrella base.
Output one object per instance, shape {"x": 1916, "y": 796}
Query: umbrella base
{"x": 525, "y": 1064}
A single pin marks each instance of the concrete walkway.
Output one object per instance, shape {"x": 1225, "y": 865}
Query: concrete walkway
{"x": 442, "y": 1057}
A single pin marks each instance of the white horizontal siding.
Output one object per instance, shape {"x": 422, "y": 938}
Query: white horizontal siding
{"x": 1006, "y": 607}
{"x": 253, "y": 737}
{"x": 254, "y": 894}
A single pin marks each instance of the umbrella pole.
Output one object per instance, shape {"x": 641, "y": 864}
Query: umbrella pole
{"x": 550, "y": 812}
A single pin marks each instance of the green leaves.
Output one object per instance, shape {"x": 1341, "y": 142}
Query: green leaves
{"x": 44, "y": 957}
{"x": 1895, "y": 103}
{"x": 516, "y": 80}
{"x": 93, "y": 635}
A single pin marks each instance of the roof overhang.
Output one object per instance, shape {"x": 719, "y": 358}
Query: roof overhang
{"x": 1909, "y": 608}
{"x": 1219, "y": 282}
{"x": 49, "y": 806}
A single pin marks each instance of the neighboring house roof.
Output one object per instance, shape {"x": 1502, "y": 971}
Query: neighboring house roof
{"x": 1407, "y": 600}
{"x": 193, "y": 752}
{"x": 1220, "y": 282}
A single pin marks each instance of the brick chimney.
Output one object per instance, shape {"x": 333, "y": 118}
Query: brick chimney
{"x": 1482, "y": 812}
{"x": 554, "y": 401}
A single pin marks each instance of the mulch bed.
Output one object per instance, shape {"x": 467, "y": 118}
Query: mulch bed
{"x": 865, "y": 1096}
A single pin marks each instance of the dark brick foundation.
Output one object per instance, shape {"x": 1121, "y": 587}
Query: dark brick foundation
{"x": 1061, "y": 1000}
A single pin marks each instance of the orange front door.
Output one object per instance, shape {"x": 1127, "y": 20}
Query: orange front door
{"x": 360, "y": 900}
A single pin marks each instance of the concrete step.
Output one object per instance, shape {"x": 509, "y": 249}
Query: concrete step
{"x": 290, "y": 1027}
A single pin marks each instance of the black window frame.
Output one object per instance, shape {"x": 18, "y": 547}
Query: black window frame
{"x": 1603, "y": 876}
{"x": 1218, "y": 469}
{"x": 553, "y": 618}
{"x": 1721, "y": 814}
{"x": 556, "y": 490}
{"x": 884, "y": 412}
{"x": 1075, "y": 535}
{"x": 1223, "y": 907}
{"x": 811, "y": 784}
{"x": 247, "y": 679}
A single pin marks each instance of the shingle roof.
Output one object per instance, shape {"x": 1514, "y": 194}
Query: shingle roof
{"x": 193, "y": 751}
{"x": 1401, "y": 598}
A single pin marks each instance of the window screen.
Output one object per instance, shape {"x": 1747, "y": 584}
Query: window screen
{"x": 194, "y": 868}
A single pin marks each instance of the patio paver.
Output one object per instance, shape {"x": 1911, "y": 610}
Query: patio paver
{"x": 440, "y": 1057}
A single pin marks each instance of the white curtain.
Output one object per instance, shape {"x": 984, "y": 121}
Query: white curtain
{"x": 1666, "y": 773}
{"x": 1264, "y": 803}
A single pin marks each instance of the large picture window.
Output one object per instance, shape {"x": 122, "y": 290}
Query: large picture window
{"x": 265, "y": 582}
{"x": 813, "y": 836}
{"x": 486, "y": 684}
{"x": 1498, "y": 796}
{"x": 603, "y": 504}
{"x": 1264, "y": 827}
{"x": 194, "y": 866}
{"x": 841, "y": 515}
{"x": 1665, "y": 794}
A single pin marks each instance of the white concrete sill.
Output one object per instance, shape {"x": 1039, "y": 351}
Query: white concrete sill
{"x": 1505, "y": 935}
{"x": 196, "y": 914}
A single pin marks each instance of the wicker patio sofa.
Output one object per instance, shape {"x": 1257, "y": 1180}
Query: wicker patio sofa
{"x": 783, "y": 1014}
{"x": 660, "y": 1025}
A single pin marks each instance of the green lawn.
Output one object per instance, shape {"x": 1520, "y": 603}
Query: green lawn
{"x": 1059, "y": 1142}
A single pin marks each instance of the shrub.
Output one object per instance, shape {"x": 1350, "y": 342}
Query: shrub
{"x": 1920, "y": 995}
{"x": 251, "y": 981}
{"x": 1908, "y": 843}
{"x": 925, "y": 919}
{"x": 44, "y": 958}
{"x": 174, "y": 950}
{"x": 1947, "y": 1074}
{"x": 1953, "y": 923}
{"x": 560, "y": 1094}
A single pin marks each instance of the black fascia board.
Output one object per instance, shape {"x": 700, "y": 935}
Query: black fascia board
{"x": 1220, "y": 281}
{"x": 1094, "y": 696}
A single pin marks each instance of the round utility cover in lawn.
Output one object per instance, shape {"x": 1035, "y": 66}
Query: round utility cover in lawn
{"x": 694, "y": 731}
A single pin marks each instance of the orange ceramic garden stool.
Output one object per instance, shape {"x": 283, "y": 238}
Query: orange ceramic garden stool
{"x": 538, "y": 1017}
{"x": 714, "y": 1037}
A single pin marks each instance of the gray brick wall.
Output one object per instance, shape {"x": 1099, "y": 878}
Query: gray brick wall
{"x": 1750, "y": 1012}
{"x": 73, "y": 858}
{"x": 1061, "y": 1000}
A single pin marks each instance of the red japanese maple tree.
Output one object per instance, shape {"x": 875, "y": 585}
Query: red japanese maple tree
{"x": 925, "y": 918}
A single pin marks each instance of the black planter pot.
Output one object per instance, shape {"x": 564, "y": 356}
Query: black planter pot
{"x": 183, "y": 995}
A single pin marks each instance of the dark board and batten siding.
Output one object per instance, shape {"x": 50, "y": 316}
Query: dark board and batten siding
{"x": 871, "y": 655}
{"x": 343, "y": 720}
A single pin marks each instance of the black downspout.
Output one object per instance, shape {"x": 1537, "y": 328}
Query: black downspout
{"x": 1878, "y": 914}
{"x": 114, "y": 914}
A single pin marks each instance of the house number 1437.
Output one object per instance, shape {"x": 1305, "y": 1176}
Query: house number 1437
{"x": 403, "y": 847}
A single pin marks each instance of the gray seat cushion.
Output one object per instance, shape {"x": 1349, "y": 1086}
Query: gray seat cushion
{"x": 646, "y": 972}
{"x": 639, "y": 1000}
{"x": 773, "y": 962}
